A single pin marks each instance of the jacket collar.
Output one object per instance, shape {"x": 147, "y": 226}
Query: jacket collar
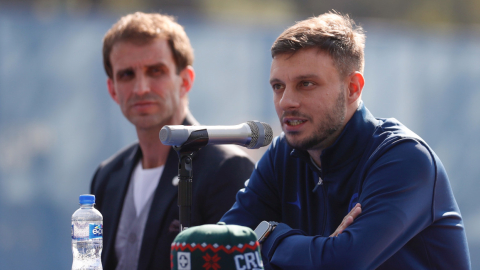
{"x": 349, "y": 145}
{"x": 164, "y": 196}
{"x": 190, "y": 120}
{"x": 136, "y": 153}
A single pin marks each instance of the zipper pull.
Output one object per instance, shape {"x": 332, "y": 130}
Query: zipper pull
{"x": 320, "y": 182}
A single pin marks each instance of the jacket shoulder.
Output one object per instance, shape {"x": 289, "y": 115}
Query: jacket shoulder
{"x": 119, "y": 156}
{"x": 115, "y": 162}
{"x": 394, "y": 129}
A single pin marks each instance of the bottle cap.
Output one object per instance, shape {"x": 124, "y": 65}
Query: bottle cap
{"x": 87, "y": 199}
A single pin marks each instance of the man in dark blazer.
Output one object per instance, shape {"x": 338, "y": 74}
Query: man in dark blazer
{"x": 148, "y": 59}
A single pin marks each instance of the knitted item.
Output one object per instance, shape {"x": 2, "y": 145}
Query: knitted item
{"x": 216, "y": 247}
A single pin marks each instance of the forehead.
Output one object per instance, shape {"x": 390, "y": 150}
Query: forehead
{"x": 304, "y": 62}
{"x": 127, "y": 54}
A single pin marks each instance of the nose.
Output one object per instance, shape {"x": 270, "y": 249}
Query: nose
{"x": 289, "y": 99}
{"x": 141, "y": 85}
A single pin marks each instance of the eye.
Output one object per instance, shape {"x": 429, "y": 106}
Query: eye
{"x": 277, "y": 86}
{"x": 156, "y": 71}
{"x": 306, "y": 83}
{"x": 125, "y": 75}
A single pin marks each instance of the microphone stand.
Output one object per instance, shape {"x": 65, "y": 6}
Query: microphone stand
{"x": 186, "y": 151}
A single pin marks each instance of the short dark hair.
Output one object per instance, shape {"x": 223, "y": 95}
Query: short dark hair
{"x": 142, "y": 28}
{"x": 333, "y": 33}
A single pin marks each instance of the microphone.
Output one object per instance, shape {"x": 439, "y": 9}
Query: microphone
{"x": 252, "y": 134}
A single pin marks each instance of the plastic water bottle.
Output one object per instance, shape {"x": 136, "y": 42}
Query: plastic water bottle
{"x": 87, "y": 235}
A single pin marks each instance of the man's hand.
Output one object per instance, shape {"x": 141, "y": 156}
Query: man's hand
{"x": 348, "y": 220}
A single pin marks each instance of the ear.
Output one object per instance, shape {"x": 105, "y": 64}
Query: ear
{"x": 355, "y": 86}
{"x": 111, "y": 90}
{"x": 188, "y": 76}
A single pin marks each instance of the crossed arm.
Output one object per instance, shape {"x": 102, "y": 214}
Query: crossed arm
{"x": 395, "y": 206}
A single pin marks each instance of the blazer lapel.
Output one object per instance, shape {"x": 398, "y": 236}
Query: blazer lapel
{"x": 164, "y": 195}
{"x": 115, "y": 192}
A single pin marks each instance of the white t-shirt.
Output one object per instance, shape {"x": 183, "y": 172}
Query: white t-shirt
{"x": 145, "y": 181}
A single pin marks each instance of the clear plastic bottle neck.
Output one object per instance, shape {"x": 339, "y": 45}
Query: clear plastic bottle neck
{"x": 86, "y": 206}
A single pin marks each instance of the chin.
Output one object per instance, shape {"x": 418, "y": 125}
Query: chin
{"x": 294, "y": 141}
{"x": 144, "y": 123}
{"x": 309, "y": 143}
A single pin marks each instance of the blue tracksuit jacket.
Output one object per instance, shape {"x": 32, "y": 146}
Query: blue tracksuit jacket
{"x": 409, "y": 219}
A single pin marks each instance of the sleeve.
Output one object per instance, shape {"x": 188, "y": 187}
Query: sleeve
{"x": 259, "y": 200}
{"x": 229, "y": 178}
{"x": 396, "y": 203}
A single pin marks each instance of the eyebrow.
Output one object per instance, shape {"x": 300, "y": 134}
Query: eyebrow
{"x": 274, "y": 80}
{"x": 159, "y": 64}
{"x": 298, "y": 78}
{"x": 308, "y": 76}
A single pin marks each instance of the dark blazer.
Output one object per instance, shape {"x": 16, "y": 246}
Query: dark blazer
{"x": 219, "y": 171}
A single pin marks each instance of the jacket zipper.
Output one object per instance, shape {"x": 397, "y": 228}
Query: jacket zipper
{"x": 320, "y": 182}
{"x": 324, "y": 210}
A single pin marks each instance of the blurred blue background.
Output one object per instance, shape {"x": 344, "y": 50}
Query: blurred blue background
{"x": 57, "y": 121}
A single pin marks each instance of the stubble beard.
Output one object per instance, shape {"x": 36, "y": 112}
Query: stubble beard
{"x": 332, "y": 123}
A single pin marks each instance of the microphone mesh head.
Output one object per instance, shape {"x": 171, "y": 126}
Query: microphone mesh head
{"x": 262, "y": 134}
{"x": 268, "y": 134}
{"x": 254, "y": 129}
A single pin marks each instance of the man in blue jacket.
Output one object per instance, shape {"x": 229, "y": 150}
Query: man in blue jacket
{"x": 334, "y": 156}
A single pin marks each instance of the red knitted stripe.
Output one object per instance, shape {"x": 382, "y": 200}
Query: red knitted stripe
{"x": 210, "y": 246}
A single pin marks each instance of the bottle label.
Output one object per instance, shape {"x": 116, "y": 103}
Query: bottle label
{"x": 95, "y": 231}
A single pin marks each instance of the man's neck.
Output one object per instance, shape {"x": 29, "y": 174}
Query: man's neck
{"x": 317, "y": 152}
{"x": 315, "y": 156}
{"x": 154, "y": 152}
